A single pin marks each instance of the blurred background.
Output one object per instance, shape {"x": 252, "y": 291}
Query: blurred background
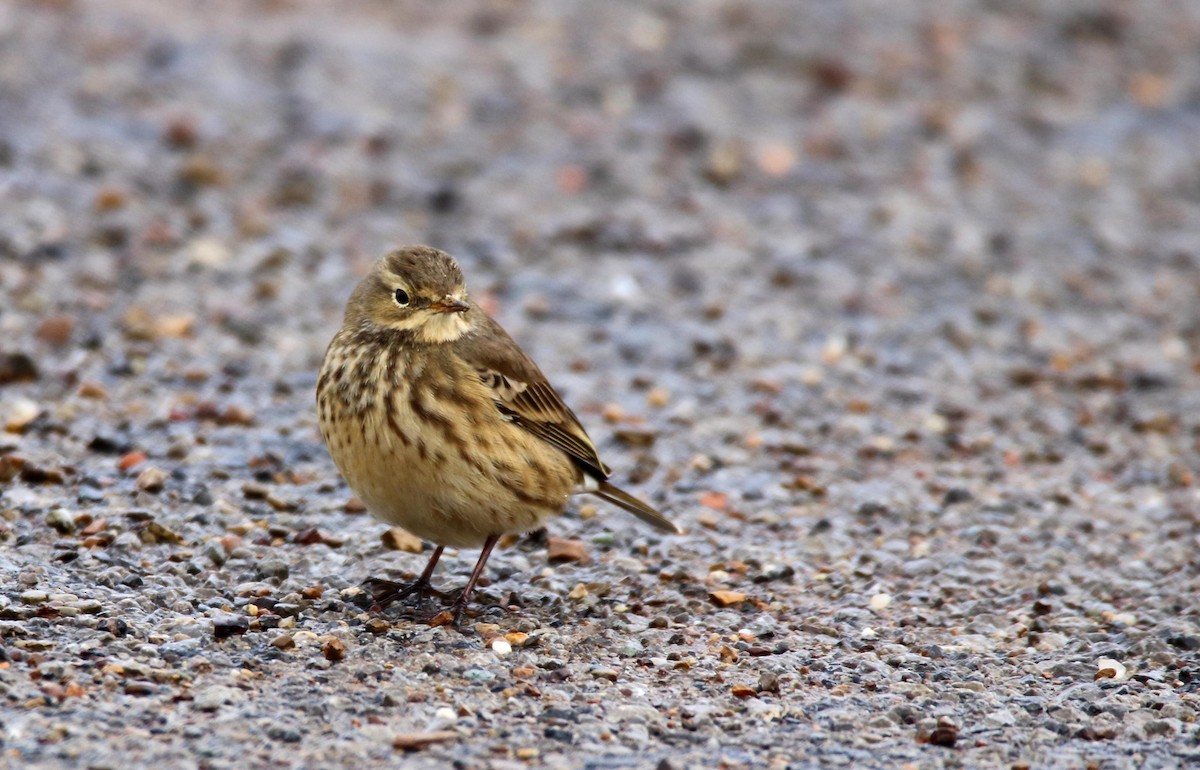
{"x": 612, "y": 155}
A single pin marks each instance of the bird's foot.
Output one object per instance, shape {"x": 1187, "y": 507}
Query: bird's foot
{"x": 387, "y": 592}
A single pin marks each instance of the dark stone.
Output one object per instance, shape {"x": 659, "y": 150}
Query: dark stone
{"x": 226, "y": 625}
{"x": 17, "y": 367}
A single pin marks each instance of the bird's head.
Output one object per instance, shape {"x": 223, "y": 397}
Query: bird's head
{"x": 415, "y": 289}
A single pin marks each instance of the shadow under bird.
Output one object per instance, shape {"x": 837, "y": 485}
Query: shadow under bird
{"x": 442, "y": 425}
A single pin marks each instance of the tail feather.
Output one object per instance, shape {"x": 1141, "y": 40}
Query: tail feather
{"x": 620, "y": 497}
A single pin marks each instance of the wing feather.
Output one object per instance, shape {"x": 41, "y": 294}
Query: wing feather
{"x": 524, "y": 395}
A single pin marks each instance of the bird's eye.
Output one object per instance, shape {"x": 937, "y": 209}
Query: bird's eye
{"x": 401, "y": 297}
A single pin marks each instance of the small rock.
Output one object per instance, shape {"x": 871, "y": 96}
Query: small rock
{"x": 226, "y": 625}
{"x": 215, "y": 553}
{"x": 880, "y": 601}
{"x": 602, "y": 672}
{"x": 283, "y": 642}
{"x": 88, "y": 606}
{"x": 20, "y": 414}
{"x": 152, "y": 479}
{"x": 213, "y": 697}
{"x": 631, "y": 649}
{"x": 517, "y": 638}
{"x": 726, "y": 598}
{"x": 658, "y": 397}
{"x": 944, "y": 733}
{"x": 957, "y": 495}
{"x": 60, "y": 521}
{"x": 34, "y": 597}
{"x": 560, "y": 549}
{"x": 236, "y": 415}
{"x": 140, "y": 688}
{"x": 283, "y": 733}
{"x": 478, "y": 675}
{"x": 174, "y": 325}
{"x": 501, "y": 646}
{"x": 272, "y": 569}
{"x": 333, "y": 649}
{"x": 37, "y": 474}
{"x": 131, "y": 460}
{"x": 252, "y": 490}
{"x": 209, "y": 252}
{"x": 635, "y": 437}
{"x": 1107, "y": 668}
{"x": 419, "y": 741}
{"x": 17, "y": 367}
{"x": 724, "y": 162}
{"x": 397, "y": 539}
{"x": 94, "y": 527}
{"x": 159, "y": 533}
{"x": 443, "y": 618}
{"x": 56, "y": 330}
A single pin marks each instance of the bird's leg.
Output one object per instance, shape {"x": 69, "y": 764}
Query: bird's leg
{"x": 460, "y": 603}
{"x": 386, "y": 592}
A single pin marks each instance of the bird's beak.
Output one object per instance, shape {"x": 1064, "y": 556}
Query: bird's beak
{"x": 450, "y": 304}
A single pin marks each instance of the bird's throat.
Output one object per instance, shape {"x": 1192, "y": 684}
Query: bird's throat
{"x": 444, "y": 327}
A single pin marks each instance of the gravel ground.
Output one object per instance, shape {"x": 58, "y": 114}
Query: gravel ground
{"x": 891, "y": 304}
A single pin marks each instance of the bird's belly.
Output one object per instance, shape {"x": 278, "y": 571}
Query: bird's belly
{"x": 448, "y": 481}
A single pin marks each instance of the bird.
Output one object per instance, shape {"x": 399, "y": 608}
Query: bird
{"x": 442, "y": 425}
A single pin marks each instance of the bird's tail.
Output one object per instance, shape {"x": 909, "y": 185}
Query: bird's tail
{"x": 621, "y": 498}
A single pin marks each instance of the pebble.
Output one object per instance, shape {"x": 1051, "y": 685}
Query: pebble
{"x": 1107, "y": 668}
{"x": 17, "y": 367}
{"x": 20, "y": 413}
{"x": 420, "y": 741}
{"x": 61, "y": 521}
{"x": 333, "y": 649}
{"x": 152, "y": 479}
{"x": 630, "y": 649}
{"x": 213, "y": 697}
{"x": 56, "y": 330}
{"x": 726, "y": 598}
{"x": 397, "y": 539}
{"x": 131, "y": 460}
{"x": 478, "y": 675}
{"x": 226, "y": 625}
{"x": 563, "y": 550}
{"x": 272, "y": 569}
{"x": 215, "y": 553}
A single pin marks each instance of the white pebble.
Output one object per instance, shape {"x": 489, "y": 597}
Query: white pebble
{"x": 1107, "y": 668}
{"x": 501, "y": 647}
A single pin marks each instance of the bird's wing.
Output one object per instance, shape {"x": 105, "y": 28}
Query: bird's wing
{"x": 522, "y": 393}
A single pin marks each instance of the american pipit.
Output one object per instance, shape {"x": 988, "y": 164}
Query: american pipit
{"x": 442, "y": 425}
